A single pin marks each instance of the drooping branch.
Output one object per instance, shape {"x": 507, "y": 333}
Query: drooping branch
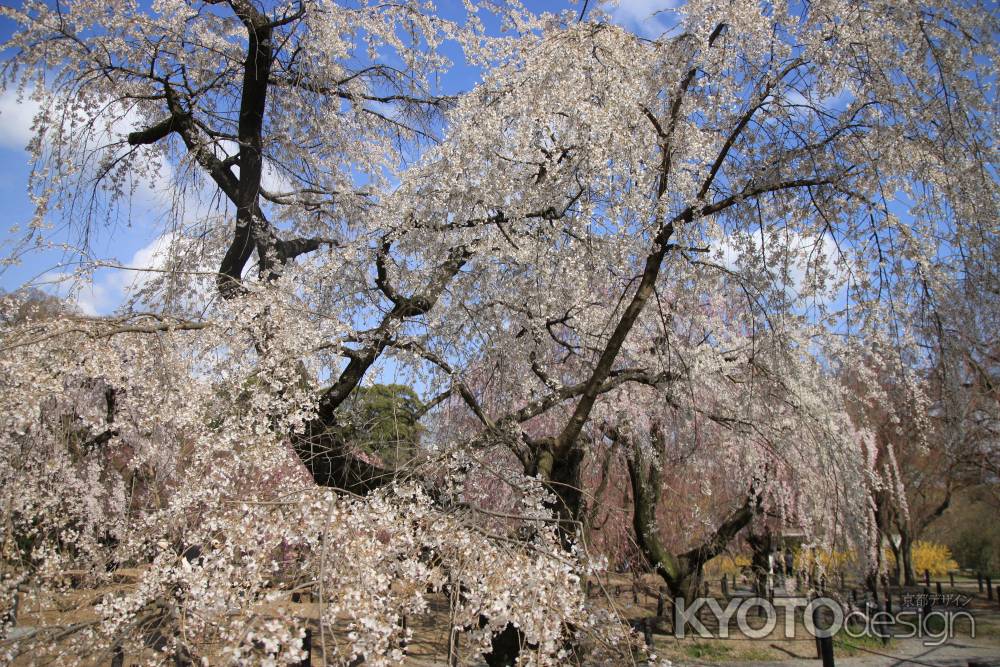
{"x": 457, "y": 383}
{"x": 661, "y": 246}
{"x": 737, "y": 130}
{"x": 651, "y": 271}
{"x": 296, "y": 80}
{"x": 666, "y": 135}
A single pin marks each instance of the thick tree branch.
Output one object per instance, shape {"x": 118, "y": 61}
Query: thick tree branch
{"x": 291, "y": 248}
{"x": 717, "y": 542}
{"x": 413, "y": 306}
{"x": 159, "y": 130}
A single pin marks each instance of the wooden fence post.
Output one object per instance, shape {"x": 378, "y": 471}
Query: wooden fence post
{"x": 925, "y": 612}
{"x": 824, "y": 645}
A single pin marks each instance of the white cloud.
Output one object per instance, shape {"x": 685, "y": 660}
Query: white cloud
{"x": 109, "y": 128}
{"x": 152, "y": 262}
{"x": 107, "y": 288}
{"x": 803, "y": 106}
{"x": 153, "y": 255}
{"x": 15, "y": 120}
{"x": 92, "y": 298}
{"x": 649, "y": 18}
{"x": 95, "y": 299}
{"x": 807, "y": 258}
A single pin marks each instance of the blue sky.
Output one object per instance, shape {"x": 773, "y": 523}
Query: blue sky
{"x": 136, "y": 240}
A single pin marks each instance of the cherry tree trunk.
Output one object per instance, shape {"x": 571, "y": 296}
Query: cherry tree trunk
{"x": 906, "y": 562}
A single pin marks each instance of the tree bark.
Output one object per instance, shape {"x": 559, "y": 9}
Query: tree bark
{"x": 897, "y": 569}
{"x": 761, "y": 545}
{"x": 682, "y": 573}
{"x": 906, "y": 551}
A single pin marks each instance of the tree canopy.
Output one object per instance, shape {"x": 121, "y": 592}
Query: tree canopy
{"x": 659, "y": 252}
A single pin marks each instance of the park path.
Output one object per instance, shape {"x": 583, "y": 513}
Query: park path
{"x": 959, "y": 653}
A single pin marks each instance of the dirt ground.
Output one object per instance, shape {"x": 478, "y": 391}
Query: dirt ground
{"x": 637, "y": 600}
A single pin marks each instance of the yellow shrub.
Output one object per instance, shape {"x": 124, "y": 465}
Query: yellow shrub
{"x": 724, "y": 564}
{"x": 928, "y": 556}
{"x": 827, "y": 561}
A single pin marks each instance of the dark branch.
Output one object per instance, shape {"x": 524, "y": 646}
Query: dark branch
{"x": 158, "y": 131}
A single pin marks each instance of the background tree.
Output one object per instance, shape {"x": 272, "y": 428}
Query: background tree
{"x": 31, "y": 305}
{"x": 383, "y": 420}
